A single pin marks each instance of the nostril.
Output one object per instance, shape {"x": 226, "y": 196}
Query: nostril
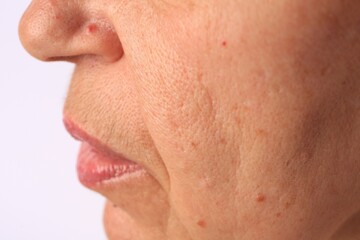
{"x": 74, "y": 59}
{"x": 71, "y": 59}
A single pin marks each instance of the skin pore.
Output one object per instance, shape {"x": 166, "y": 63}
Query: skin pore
{"x": 245, "y": 113}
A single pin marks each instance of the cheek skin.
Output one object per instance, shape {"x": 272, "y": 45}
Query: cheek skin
{"x": 248, "y": 119}
{"x": 204, "y": 135}
{"x": 186, "y": 128}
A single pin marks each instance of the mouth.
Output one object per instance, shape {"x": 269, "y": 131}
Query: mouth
{"x": 97, "y": 164}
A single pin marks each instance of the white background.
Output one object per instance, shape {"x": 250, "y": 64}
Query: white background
{"x": 40, "y": 197}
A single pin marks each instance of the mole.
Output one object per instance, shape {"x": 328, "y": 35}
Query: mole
{"x": 202, "y": 223}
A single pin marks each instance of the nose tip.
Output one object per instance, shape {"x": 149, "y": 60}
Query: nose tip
{"x": 50, "y": 31}
{"x": 34, "y": 30}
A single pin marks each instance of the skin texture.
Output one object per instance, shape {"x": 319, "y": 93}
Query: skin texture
{"x": 246, "y": 114}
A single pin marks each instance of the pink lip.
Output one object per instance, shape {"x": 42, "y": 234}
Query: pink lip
{"x": 97, "y": 164}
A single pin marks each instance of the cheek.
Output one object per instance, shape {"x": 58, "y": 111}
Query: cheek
{"x": 189, "y": 132}
{"x": 168, "y": 65}
{"x": 167, "y": 62}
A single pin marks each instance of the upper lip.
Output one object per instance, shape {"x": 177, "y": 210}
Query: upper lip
{"x": 79, "y": 134}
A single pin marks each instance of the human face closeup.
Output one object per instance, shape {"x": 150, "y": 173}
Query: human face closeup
{"x": 240, "y": 119}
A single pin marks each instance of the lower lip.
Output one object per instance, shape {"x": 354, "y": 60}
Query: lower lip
{"x": 95, "y": 168}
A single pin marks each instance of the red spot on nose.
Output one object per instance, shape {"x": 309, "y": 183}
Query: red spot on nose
{"x": 260, "y": 197}
{"x": 224, "y": 43}
{"x": 92, "y": 28}
{"x": 201, "y": 223}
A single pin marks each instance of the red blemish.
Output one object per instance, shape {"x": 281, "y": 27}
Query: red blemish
{"x": 58, "y": 16}
{"x": 92, "y": 28}
{"x": 224, "y": 43}
{"x": 260, "y": 197}
{"x": 278, "y": 214}
{"x": 201, "y": 223}
{"x": 287, "y": 205}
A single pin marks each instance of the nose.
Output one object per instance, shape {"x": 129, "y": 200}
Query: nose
{"x": 53, "y": 30}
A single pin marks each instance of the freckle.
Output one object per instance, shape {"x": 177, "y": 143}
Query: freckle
{"x": 115, "y": 206}
{"x": 224, "y": 43}
{"x": 325, "y": 70}
{"x": 92, "y": 28}
{"x": 200, "y": 76}
{"x": 287, "y": 205}
{"x": 261, "y": 132}
{"x": 278, "y": 214}
{"x": 202, "y": 223}
{"x": 333, "y": 190}
{"x": 194, "y": 145}
{"x": 260, "y": 198}
{"x": 222, "y": 141}
{"x": 238, "y": 121}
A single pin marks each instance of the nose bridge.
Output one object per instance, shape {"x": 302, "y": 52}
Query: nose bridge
{"x": 64, "y": 29}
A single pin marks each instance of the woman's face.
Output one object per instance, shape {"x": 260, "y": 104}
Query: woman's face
{"x": 244, "y": 114}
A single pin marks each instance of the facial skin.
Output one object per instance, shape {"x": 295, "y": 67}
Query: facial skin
{"x": 245, "y": 114}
